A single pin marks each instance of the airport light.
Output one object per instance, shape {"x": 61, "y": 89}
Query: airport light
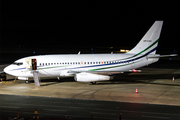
{"x": 123, "y": 50}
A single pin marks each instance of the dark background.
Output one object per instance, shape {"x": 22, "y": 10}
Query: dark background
{"x": 38, "y": 27}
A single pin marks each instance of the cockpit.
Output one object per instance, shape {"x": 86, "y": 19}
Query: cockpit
{"x": 18, "y": 63}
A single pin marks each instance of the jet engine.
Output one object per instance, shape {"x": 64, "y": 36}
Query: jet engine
{"x": 22, "y": 78}
{"x": 89, "y": 77}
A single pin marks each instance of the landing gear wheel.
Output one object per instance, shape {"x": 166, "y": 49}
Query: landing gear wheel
{"x": 93, "y": 83}
{"x": 26, "y": 82}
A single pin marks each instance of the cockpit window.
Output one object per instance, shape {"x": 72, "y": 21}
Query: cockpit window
{"x": 18, "y": 63}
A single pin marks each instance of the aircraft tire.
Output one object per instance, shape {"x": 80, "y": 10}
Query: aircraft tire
{"x": 26, "y": 82}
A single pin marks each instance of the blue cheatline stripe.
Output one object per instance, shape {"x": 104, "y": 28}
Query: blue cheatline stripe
{"x": 133, "y": 59}
{"x": 18, "y": 69}
{"x": 146, "y": 53}
{"x": 143, "y": 50}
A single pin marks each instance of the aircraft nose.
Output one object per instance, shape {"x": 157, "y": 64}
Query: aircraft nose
{"x": 6, "y": 69}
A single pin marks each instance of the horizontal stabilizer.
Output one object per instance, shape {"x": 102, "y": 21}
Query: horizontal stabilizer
{"x": 159, "y": 56}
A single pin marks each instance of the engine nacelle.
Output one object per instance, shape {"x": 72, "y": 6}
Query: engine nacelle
{"x": 22, "y": 78}
{"x": 89, "y": 77}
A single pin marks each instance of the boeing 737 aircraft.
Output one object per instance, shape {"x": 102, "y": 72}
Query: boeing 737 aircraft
{"x": 90, "y": 67}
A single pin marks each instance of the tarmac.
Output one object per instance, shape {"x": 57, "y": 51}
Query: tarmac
{"x": 50, "y": 108}
{"x": 154, "y": 85}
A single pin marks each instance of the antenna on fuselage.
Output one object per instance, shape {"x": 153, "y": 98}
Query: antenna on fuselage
{"x": 79, "y": 52}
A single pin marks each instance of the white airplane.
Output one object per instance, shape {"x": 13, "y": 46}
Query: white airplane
{"x": 90, "y": 67}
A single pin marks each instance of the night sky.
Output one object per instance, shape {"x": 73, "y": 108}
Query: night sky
{"x": 33, "y": 28}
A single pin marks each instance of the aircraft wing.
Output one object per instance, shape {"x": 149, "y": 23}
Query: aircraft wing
{"x": 96, "y": 72}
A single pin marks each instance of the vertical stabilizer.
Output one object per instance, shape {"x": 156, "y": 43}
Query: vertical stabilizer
{"x": 148, "y": 44}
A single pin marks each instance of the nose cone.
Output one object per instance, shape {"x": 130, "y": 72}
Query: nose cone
{"x": 6, "y": 69}
{"x": 15, "y": 70}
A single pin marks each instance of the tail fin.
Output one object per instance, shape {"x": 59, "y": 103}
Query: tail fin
{"x": 148, "y": 44}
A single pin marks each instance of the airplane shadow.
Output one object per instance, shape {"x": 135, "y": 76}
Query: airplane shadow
{"x": 53, "y": 81}
{"x": 144, "y": 79}
{"x": 148, "y": 76}
{"x": 8, "y": 80}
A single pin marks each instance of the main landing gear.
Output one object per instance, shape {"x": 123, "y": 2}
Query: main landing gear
{"x": 26, "y": 82}
{"x": 93, "y": 83}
